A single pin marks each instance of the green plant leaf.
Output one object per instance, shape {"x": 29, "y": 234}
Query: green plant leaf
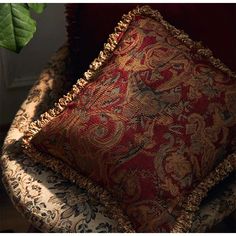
{"x": 16, "y": 26}
{"x": 37, "y": 7}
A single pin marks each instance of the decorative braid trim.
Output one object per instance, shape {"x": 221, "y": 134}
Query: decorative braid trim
{"x": 184, "y": 221}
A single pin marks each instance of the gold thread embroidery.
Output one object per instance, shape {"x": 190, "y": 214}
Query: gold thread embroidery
{"x": 184, "y": 221}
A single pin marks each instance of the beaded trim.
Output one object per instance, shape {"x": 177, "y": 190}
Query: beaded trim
{"x": 184, "y": 221}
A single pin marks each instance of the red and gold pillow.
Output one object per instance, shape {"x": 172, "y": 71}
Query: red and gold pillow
{"x": 148, "y": 130}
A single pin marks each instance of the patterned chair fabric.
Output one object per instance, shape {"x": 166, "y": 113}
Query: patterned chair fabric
{"x": 53, "y": 204}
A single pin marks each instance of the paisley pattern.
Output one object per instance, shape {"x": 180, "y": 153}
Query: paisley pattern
{"x": 56, "y": 205}
{"x": 154, "y": 122}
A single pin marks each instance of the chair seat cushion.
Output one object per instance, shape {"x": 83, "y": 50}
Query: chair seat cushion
{"x": 37, "y": 191}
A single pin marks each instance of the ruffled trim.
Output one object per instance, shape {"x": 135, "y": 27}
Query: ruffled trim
{"x": 184, "y": 221}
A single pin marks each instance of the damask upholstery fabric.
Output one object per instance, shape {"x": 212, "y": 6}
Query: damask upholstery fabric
{"x": 156, "y": 118}
{"x": 53, "y": 204}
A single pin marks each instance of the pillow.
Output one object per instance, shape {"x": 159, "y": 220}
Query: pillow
{"x": 148, "y": 130}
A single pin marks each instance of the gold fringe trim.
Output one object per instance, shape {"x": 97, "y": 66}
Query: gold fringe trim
{"x": 193, "y": 201}
{"x": 184, "y": 221}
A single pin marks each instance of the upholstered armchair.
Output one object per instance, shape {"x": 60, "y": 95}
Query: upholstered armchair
{"x": 47, "y": 200}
